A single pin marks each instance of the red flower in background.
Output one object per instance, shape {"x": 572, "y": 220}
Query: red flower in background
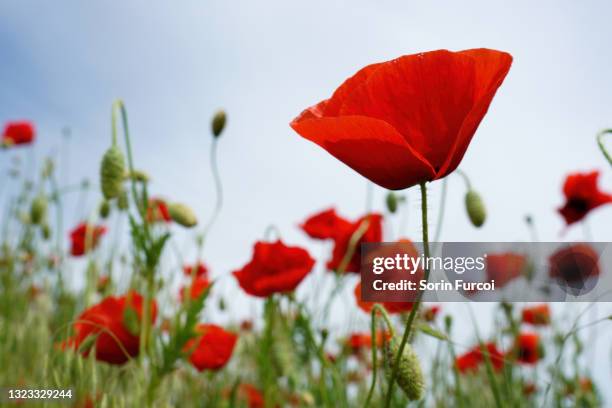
{"x": 213, "y": 347}
{"x": 471, "y": 360}
{"x": 253, "y": 397}
{"x": 391, "y": 307}
{"x": 109, "y": 324}
{"x": 537, "y": 315}
{"x": 505, "y": 267}
{"x": 408, "y": 120}
{"x": 527, "y": 348}
{"x": 574, "y": 264}
{"x": 157, "y": 211}
{"x": 85, "y": 237}
{"x": 201, "y": 270}
{"x": 582, "y": 195}
{"x": 360, "y": 341}
{"x": 195, "y": 289}
{"x": 328, "y": 225}
{"x": 274, "y": 268}
{"x": 18, "y": 133}
{"x": 430, "y": 313}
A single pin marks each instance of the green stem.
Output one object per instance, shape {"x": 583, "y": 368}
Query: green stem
{"x": 600, "y": 142}
{"x": 417, "y": 303}
{"x": 441, "y": 210}
{"x": 466, "y": 179}
{"x": 376, "y": 309}
{"x": 218, "y": 188}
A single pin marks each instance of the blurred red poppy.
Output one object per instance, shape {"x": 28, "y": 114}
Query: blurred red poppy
{"x": 274, "y": 268}
{"x": 408, "y": 120}
{"x": 201, "y": 270}
{"x": 505, "y": 267}
{"x": 430, "y": 313}
{"x": 195, "y": 289}
{"x": 111, "y": 326}
{"x": 213, "y": 347}
{"x": 328, "y": 225}
{"x": 253, "y": 397}
{"x": 391, "y": 307}
{"x": 18, "y": 133}
{"x": 582, "y": 195}
{"x": 574, "y": 264}
{"x": 359, "y": 341}
{"x": 157, "y": 211}
{"x": 85, "y": 237}
{"x": 537, "y": 315}
{"x": 528, "y": 349}
{"x": 471, "y": 360}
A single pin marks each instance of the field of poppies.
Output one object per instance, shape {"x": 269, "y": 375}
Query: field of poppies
{"x": 123, "y": 336}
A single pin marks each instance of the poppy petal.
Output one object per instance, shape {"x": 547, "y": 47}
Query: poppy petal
{"x": 370, "y": 146}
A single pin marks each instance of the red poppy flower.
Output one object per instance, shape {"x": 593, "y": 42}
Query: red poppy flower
{"x": 505, "y": 267}
{"x": 527, "y": 348}
{"x": 408, "y": 120}
{"x": 213, "y": 347}
{"x": 582, "y": 195}
{"x": 85, "y": 237}
{"x": 325, "y": 225}
{"x": 537, "y": 315}
{"x": 471, "y": 360}
{"x": 574, "y": 264}
{"x": 196, "y": 288}
{"x": 391, "y": 307}
{"x": 108, "y": 326}
{"x": 253, "y": 397}
{"x": 274, "y": 268}
{"x": 201, "y": 270}
{"x": 328, "y": 225}
{"x": 359, "y": 341}
{"x": 18, "y": 133}
{"x": 157, "y": 211}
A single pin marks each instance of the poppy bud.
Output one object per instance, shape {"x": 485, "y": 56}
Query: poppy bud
{"x": 475, "y": 208}
{"x": 104, "y": 209}
{"x": 38, "y": 209}
{"x": 46, "y": 231}
{"x": 123, "y": 201}
{"x": 182, "y": 215}
{"x": 409, "y": 374}
{"x": 391, "y": 202}
{"x": 112, "y": 171}
{"x": 218, "y": 123}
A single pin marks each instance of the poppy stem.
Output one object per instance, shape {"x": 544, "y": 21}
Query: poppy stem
{"x": 218, "y": 187}
{"x": 463, "y": 175}
{"x": 600, "y": 142}
{"x": 417, "y": 303}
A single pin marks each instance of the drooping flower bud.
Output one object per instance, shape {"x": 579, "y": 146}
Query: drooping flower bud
{"x": 391, "y": 202}
{"x": 122, "y": 201}
{"x": 112, "y": 171}
{"x": 475, "y": 208}
{"x": 182, "y": 215}
{"x": 38, "y": 209}
{"x": 104, "y": 209}
{"x": 218, "y": 123}
{"x": 409, "y": 374}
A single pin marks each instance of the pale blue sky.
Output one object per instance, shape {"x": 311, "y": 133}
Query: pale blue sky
{"x": 174, "y": 63}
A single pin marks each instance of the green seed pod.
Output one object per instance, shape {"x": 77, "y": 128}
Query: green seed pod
{"x": 112, "y": 170}
{"x": 46, "y": 231}
{"x": 409, "y": 374}
{"x": 218, "y": 123}
{"x": 38, "y": 209}
{"x": 391, "y": 202}
{"x": 122, "y": 201}
{"x": 475, "y": 208}
{"x": 104, "y": 209}
{"x": 182, "y": 215}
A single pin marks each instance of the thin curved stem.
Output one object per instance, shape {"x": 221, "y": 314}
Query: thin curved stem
{"x": 218, "y": 188}
{"x": 417, "y": 303}
{"x": 441, "y": 210}
{"x": 466, "y": 179}
{"x": 600, "y": 142}
{"x": 375, "y": 310}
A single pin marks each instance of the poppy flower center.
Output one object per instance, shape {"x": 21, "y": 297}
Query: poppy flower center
{"x": 579, "y": 205}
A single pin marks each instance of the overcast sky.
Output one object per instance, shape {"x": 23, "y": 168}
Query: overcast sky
{"x": 63, "y": 63}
